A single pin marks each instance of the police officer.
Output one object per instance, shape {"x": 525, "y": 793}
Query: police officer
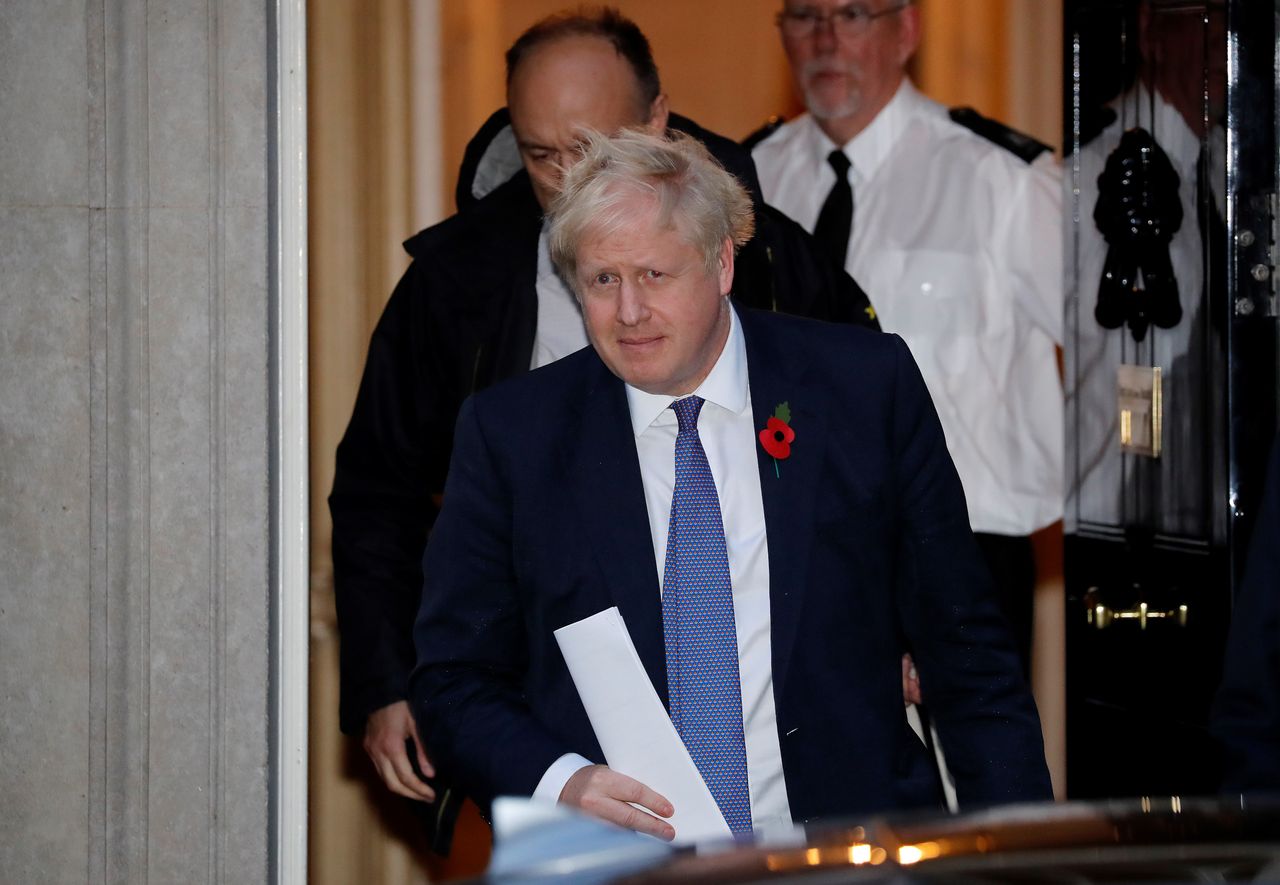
{"x": 954, "y": 222}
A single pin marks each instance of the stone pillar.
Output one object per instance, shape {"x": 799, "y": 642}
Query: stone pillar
{"x": 135, "y": 440}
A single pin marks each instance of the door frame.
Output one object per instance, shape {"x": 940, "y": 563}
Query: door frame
{"x": 289, "y": 475}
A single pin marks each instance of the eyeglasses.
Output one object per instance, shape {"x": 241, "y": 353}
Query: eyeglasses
{"x": 847, "y": 21}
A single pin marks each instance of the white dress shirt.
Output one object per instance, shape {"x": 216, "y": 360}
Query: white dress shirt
{"x": 959, "y": 244}
{"x": 560, "y": 330}
{"x": 729, "y": 436}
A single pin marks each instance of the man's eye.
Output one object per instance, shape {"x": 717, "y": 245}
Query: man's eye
{"x": 654, "y": 274}
{"x": 849, "y": 14}
{"x": 603, "y": 279}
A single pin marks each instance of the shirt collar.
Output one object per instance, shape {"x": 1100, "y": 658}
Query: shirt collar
{"x": 725, "y": 385}
{"x": 873, "y": 145}
{"x": 1166, "y": 124}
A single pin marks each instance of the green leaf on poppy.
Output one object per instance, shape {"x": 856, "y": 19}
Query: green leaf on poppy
{"x": 783, "y": 413}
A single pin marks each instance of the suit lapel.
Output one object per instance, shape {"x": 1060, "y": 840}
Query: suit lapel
{"x": 788, "y": 487}
{"x": 609, "y": 493}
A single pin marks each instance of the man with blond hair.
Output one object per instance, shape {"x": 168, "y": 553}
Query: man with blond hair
{"x": 767, "y": 500}
{"x": 481, "y": 302}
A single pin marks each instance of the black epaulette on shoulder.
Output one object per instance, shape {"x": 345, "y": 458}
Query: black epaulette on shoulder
{"x": 771, "y": 126}
{"x": 1022, "y": 146}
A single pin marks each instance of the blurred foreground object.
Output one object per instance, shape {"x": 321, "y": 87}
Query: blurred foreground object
{"x": 1166, "y": 839}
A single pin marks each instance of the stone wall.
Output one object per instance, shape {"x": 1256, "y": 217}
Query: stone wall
{"x": 135, "y": 429}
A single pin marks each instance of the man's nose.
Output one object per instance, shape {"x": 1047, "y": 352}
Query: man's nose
{"x": 555, "y": 176}
{"x": 633, "y": 307}
{"x": 825, "y": 37}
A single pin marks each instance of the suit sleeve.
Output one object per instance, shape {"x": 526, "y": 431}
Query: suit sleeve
{"x": 969, "y": 671}
{"x": 390, "y": 464}
{"x": 467, "y": 690}
{"x": 1246, "y": 711}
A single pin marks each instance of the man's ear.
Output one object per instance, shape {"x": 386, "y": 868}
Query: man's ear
{"x": 908, "y": 33}
{"x": 726, "y": 266}
{"x": 658, "y": 113}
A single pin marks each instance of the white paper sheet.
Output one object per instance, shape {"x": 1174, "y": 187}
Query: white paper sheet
{"x": 631, "y": 724}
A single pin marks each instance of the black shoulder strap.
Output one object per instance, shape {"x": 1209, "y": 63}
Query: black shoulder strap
{"x": 1022, "y": 146}
{"x": 770, "y": 126}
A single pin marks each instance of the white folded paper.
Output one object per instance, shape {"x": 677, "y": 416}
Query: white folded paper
{"x": 631, "y": 724}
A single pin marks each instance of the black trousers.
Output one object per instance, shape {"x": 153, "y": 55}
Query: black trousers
{"x": 1011, "y": 560}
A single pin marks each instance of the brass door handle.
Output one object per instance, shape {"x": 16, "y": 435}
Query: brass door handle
{"x": 1103, "y": 616}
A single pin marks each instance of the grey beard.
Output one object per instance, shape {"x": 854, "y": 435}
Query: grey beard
{"x": 822, "y": 110}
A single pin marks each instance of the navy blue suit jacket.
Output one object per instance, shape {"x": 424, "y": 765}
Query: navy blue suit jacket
{"x": 544, "y": 523}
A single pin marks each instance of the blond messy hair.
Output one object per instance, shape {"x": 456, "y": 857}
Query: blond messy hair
{"x": 693, "y": 192}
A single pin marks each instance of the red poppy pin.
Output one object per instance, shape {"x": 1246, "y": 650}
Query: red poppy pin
{"x": 777, "y": 436}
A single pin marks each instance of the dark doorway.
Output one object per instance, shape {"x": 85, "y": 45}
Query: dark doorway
{"x": 1170, "y": 371}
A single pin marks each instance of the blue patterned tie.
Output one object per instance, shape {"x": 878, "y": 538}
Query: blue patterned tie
{"x": 701, "y": 639}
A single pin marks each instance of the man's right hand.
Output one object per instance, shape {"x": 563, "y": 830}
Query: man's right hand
{"x": 385, "y": 734}
{"x": 604, "y": 793}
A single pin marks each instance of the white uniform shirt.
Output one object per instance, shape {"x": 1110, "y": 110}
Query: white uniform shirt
{"x": 560, "y": 329}
{"x": 729, "y": 436}
{"x": 958, "y": 242}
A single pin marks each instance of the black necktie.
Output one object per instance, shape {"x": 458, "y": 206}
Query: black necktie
{"x": 835, "y": 221}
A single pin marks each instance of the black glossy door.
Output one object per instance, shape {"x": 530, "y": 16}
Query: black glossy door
{"x": 1170, "y": 364}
